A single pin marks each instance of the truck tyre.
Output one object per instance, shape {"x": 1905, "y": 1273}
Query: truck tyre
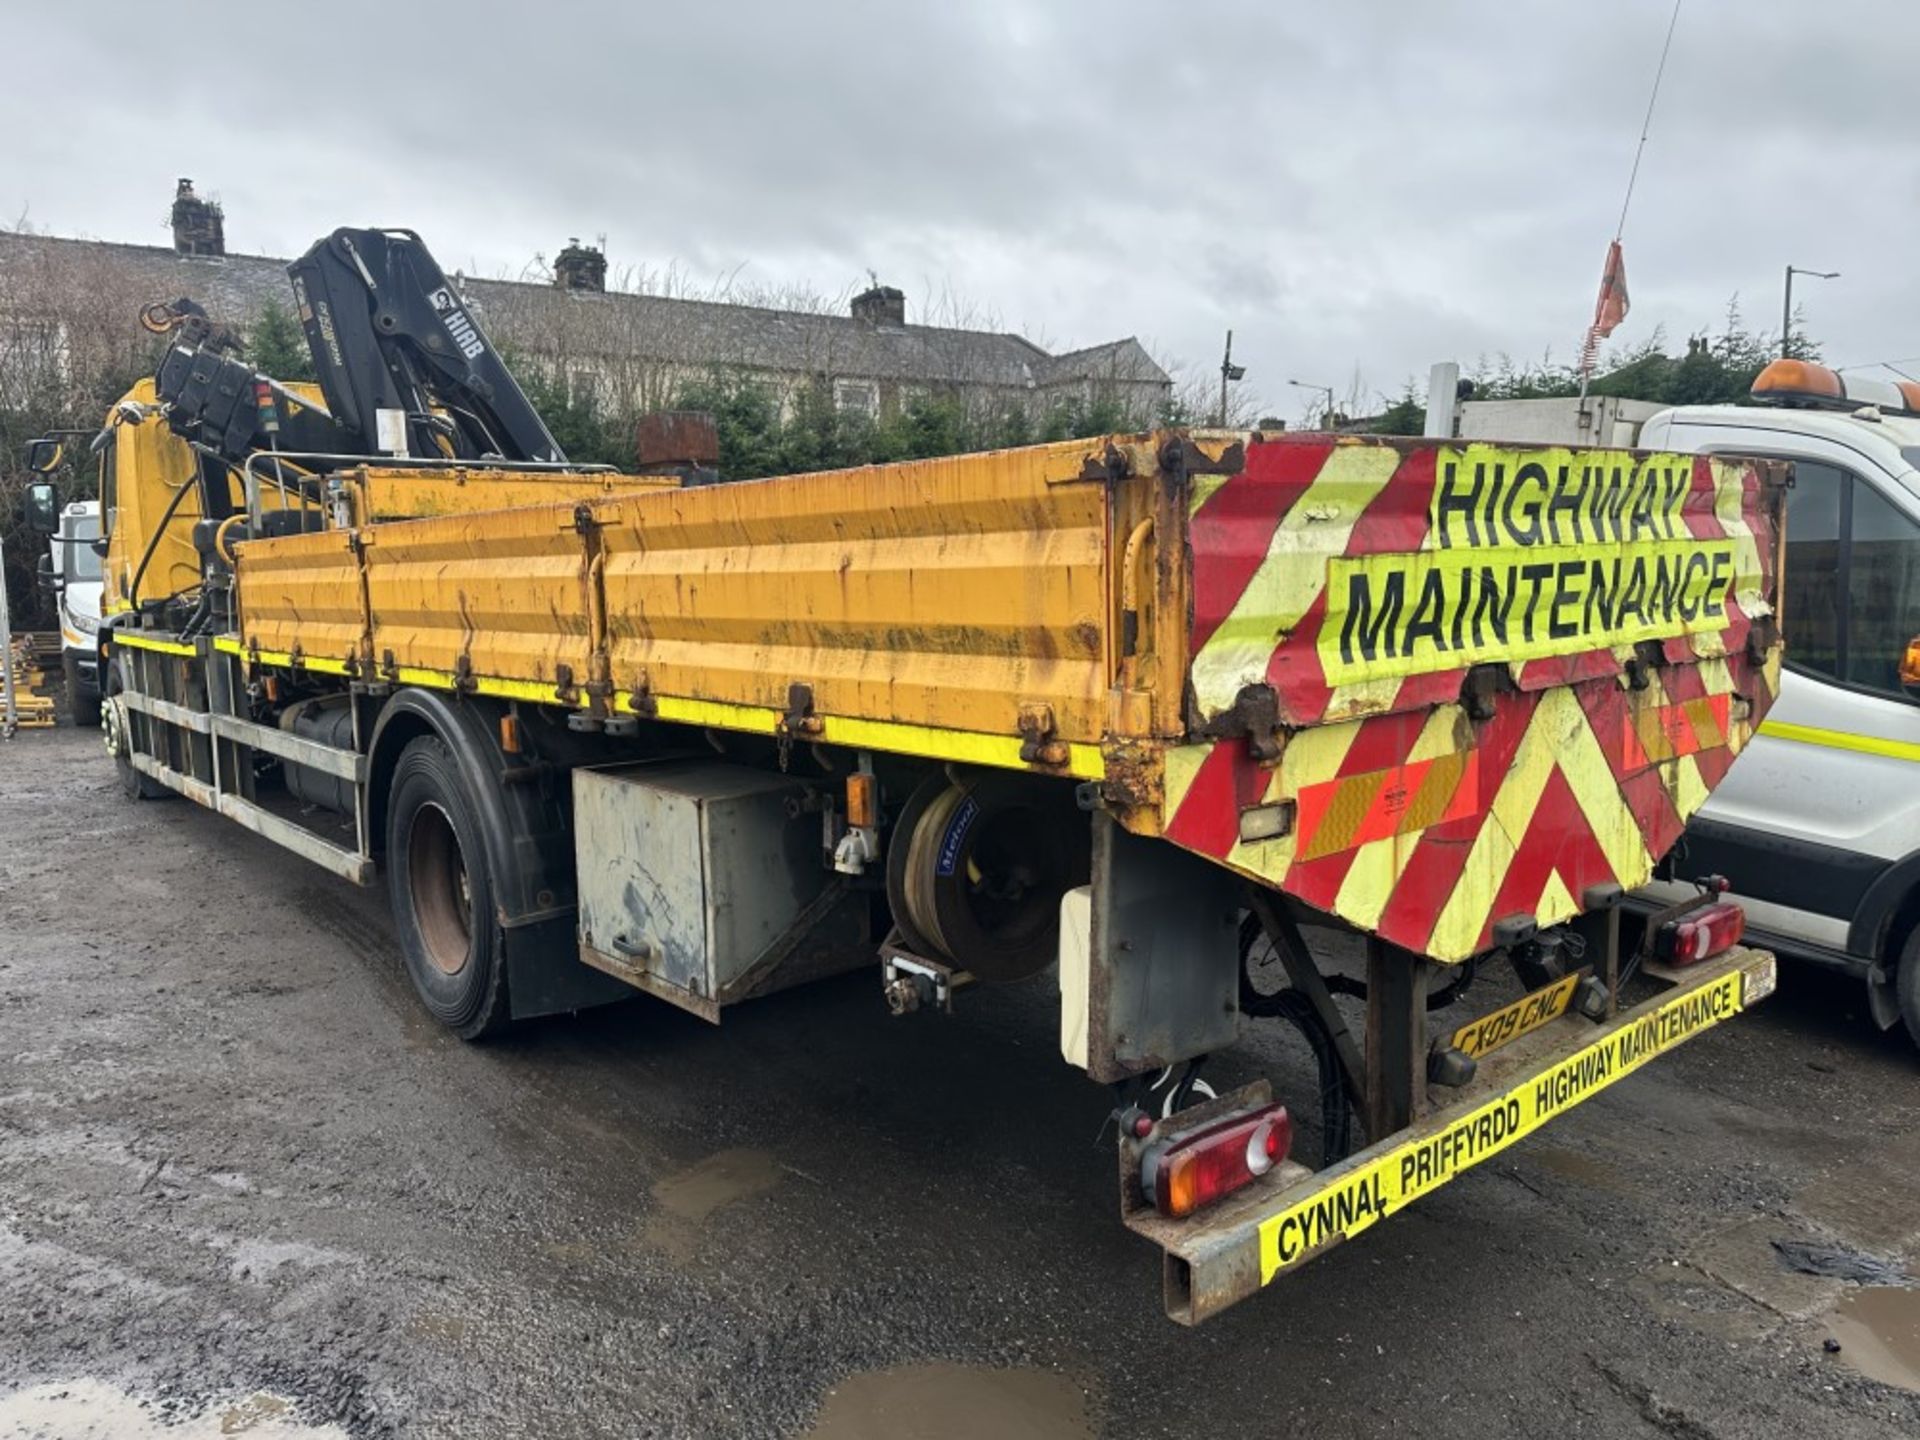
{"x": 1907, "y": 984}
{"x": 441, "y": 889}
{"x": 84, "y": 702}
{"x": 987, "y": 860}
{"x": 114, "y": 722}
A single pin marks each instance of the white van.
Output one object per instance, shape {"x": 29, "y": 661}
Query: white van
{"x": 1818, "y": 823}
{"x": 75, "y": 574}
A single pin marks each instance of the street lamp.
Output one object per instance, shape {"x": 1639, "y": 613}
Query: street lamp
{"x": 1228, "y": 372}
{"x": 1326, "y": 412}
{"x": 1786, "y": 310}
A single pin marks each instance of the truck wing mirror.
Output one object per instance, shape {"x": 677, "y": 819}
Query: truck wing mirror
{"x": 49, "y": 580}
{"x": 45, "y": 454}
{"x": 43, "y": 508}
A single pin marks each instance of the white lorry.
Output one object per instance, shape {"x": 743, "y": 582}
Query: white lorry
{"x": 1818, "y": 827}
{"x": 71, "y": 569}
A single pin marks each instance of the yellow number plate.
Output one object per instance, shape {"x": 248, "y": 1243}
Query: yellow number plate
{"x": 1510, "y": 1022}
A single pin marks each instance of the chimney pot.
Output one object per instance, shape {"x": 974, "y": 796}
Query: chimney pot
{"x": 881, "y": 305}
{"x": 199, "y": 226}
{"x": 580, "y": 267}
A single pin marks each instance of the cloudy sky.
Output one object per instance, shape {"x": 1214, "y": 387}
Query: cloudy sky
{"x": 1356, "y": 189}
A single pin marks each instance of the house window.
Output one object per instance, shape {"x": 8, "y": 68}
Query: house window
{"x": 1853, "y": 579}
{"x": 856, "y": 397}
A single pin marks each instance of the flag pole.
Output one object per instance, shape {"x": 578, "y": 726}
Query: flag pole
{"x": 1589, "y": 352}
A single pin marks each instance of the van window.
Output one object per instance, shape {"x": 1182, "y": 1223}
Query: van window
{"x": 1815, "y": 609}
{"x": 78, "y": 558}
{"x": 1853, "y": 579}
{"x": 1883, "y": 590}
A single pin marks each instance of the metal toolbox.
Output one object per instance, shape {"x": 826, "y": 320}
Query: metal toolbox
{"x": 696, "y": 878}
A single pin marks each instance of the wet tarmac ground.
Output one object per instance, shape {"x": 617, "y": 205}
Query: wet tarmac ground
{"x": 247, "y": 1187}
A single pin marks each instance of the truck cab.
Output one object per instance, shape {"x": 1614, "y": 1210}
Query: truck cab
{"x": 1818, "y": 826}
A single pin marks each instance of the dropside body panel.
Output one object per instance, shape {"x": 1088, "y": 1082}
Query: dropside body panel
{"x": 1422, "y": 686}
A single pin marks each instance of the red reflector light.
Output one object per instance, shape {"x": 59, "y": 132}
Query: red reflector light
{"x": 1701, "y": 935}
{"x": 1192, "y": 1172}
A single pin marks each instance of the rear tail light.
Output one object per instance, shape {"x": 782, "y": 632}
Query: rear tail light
{"x": 1701, "y": 935}
{"x": 1193, "y": 1171}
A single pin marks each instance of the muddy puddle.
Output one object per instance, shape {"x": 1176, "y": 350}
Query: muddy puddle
{"x": 92, "y": 1410}
{"x": 689, "y": 1197}
{"x": 1878, "y": 1327}
{"x": 1575, "y": 1165}
{"x": 954, "y": 1402}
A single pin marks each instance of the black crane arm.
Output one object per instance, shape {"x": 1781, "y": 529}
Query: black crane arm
{"x": 389, "y": 333}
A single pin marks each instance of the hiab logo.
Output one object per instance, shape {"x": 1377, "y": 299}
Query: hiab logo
{"x": 458, "y": 326}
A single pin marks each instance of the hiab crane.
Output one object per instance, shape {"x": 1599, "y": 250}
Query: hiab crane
{"x": 1129, "y": 708}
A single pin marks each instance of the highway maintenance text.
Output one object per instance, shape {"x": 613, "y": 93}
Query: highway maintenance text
{"x": 1376, "y": 1188}
{"x": 1532, "y": 553}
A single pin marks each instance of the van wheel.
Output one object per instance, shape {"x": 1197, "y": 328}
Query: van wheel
{"x": 442, "y": 893}
{"x": 84, "y": 703}
{"x": 1907, "y": 985}
{"x": 119, "y": 740}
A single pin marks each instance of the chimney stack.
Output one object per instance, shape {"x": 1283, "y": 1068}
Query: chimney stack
{"x": 882, "y": 305}
{"x": 580, "y": 267}
{"x": 199, "y": 226}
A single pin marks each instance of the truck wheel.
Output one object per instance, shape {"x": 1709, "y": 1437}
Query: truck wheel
{"x": 84, "y": 702}
{"x": 442, "y": 893}
{"x": 1907, "y": 985}
{"x": 113, "y": 725}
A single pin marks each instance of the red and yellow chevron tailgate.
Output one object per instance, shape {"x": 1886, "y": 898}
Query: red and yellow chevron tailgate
{"x": 1503, "y": 675}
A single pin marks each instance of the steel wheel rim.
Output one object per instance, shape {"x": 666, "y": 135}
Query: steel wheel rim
{"x": 442, "y": 894}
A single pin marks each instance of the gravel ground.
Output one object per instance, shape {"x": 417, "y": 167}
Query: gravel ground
{"x": 246, "y": 1185}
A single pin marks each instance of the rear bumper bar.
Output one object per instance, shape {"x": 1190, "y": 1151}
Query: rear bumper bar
{"x": 1227, "y": 1254}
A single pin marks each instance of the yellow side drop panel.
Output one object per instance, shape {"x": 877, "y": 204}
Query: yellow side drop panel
{"x": 501, "y": 594}
{"x": 301, "y": 593}
{"x": 942, "y": 593}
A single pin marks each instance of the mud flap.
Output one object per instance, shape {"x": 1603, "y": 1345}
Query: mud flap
{"x": 1162, "y": 973}
{"x": 1883, "y": 996}
{"x": 544, "y": 973}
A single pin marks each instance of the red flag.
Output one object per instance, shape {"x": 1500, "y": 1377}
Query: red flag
{"x": 1611, "y": 308}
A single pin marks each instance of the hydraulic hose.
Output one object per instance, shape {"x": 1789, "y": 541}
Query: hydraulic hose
{"x": 153, "y": 544}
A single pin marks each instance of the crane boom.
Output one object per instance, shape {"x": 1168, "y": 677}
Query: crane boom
{"x": 401, "y": 360}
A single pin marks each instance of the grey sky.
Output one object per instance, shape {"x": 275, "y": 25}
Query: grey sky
{"x": 1349, "y": 186}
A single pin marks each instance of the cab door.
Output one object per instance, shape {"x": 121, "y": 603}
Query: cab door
{"x": 1822, "y": 804}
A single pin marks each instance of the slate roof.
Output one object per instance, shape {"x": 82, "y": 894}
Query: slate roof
{"x": 691, "y": 332}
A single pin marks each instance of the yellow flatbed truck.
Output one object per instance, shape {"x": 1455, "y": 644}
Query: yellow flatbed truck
{"x": 1132, "y": 705}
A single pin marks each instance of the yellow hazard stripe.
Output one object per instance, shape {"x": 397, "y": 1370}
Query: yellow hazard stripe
{"x": 133, "y": 640}
{"x": 967, "y": 747}
{"x": 319, "y": 664}
{"x": 1357, "y": 1195}
{"x": 527, "y": 690}
{"x": 1839, "y": 740}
